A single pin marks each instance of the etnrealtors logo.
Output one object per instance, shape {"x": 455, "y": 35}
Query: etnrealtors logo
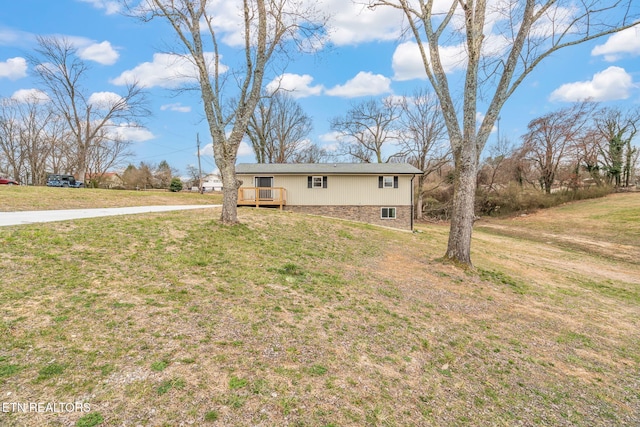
{"x": 51, "y": 407}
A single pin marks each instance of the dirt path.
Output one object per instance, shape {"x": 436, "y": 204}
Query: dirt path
{"x": 622, "y": 252}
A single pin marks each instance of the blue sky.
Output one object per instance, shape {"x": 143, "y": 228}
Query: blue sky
{"x": 367, "y": 58}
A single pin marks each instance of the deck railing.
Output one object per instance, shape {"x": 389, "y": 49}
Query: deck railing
{"x": 262, "y": 196}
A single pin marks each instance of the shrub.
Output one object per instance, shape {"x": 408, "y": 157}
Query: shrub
{"x": 507, "y": 200}
{"x": 176, "y": 185}
{"x": 437, "y": 202}
{"x": 514, "y": 199}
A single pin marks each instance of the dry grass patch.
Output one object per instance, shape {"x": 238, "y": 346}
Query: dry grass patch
{"x": 609, "y": 226}
{"x": 162, "y": 319}
{"x": 23, "y": 198}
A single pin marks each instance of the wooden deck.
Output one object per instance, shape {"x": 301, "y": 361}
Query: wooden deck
{"x": 262, "y": 196}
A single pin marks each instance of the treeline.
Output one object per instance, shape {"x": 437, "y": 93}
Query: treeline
{"x": 561, "y": 154}
{"x": 580, "y": 151}
{"x": 147, "y": 176}
{"x": 63, "y": 128}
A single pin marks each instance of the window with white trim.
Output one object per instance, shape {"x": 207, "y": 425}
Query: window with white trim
{"x": 317, "y": 181}
{"x": 387, "y": 181}
{"x": 388, "y": 213}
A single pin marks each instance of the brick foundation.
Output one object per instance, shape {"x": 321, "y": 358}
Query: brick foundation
{"x": 369, "y": 214}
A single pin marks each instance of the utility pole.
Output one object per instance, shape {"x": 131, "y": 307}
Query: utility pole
{"x": 200, "y": 189}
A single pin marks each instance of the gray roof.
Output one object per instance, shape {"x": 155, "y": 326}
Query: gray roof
{"x": 327, "y": 169}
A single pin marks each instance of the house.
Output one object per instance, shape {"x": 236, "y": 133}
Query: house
{"x": 211, "y": 182}
{"x": 376, "y": 193}
{"x": 104, "y": 179}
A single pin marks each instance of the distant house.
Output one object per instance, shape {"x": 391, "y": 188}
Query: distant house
{"x": 212, "y": 182}
{"x": 104, "y": 179}
{"x": 376, "y": 193}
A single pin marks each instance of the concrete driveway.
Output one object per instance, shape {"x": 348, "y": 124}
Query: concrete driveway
{"x": 30, "y": 217}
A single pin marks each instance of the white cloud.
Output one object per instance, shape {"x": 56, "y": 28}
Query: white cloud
{"x": 13, "y": 68}
{"x": 30, "y": 95}
{"x": 330, "y": 136}
{"x": 243, "y": 150}
{"x": 227, "y": 21}
{"x": 555, "y": 21}
{"x": 14, "y": 37}
{"x": 348, "y": 23}
{"x": 407, "y": 61}
{"x": 625, "y": 42}
{"x": 363, "y": 84}
{"x": 104, "y": 100}
{"x": 494, "y": 45}
{"x": 167, "y": 70}
{"x": 207, "y": 150}
{"x": 90, "y": 50}
{"x": 130, "y": 132}
{"x": 298, "y": 86}
{"x": 176, "y": 107}
{"x": 351, "y": 24}
{"x": 330, "y": 141}
{"x": 111, "y": 7}
{"x": 614, "y": 83}
{"x": 331, "y": 148}
{"x": 102, "y": 53}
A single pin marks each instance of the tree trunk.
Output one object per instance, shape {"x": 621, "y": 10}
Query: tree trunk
{"x": 463, "y": 214}
{"x": 627, "y": 164}
{"x": 226, "y": 162}
{"x": 230, "y": 187}
{"x": 82, "y": 168}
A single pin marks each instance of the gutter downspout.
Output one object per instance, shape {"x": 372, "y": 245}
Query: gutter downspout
{"x": 412, "y": 204}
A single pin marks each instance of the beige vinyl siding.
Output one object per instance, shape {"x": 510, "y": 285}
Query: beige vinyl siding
{"x": 341, "y": 190}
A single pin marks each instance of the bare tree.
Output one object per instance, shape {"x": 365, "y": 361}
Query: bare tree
{"x": 10, "y": 142}
{"x": 587, "y": 153}
{"x": 194, "y": 175}
{"x": 278, "y": 129}
{"x": 259, "y": 130}
{"x": 107, "y": 152}
{"x": 367, "y": 128}
{"x": 87, "y": 116}
{"x": 552, "y": 138}
{"x": 499, "y": 167}
{"x": 422, "y": 138}
{"x": 61, "y": 157}
{"x": 310, "y": 153}
{"x": 267, "y": 26}
{"x": 36, "y": 138}
{"x": 504, "y": 42}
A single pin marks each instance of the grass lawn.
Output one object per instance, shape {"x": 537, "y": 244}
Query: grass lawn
{"x": 293, "y": 320}
{"x": 23, "y": 198}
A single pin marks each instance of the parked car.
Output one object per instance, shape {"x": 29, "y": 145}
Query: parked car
{"x": 63, "y": 181}
{"x": 8, "y": 181}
